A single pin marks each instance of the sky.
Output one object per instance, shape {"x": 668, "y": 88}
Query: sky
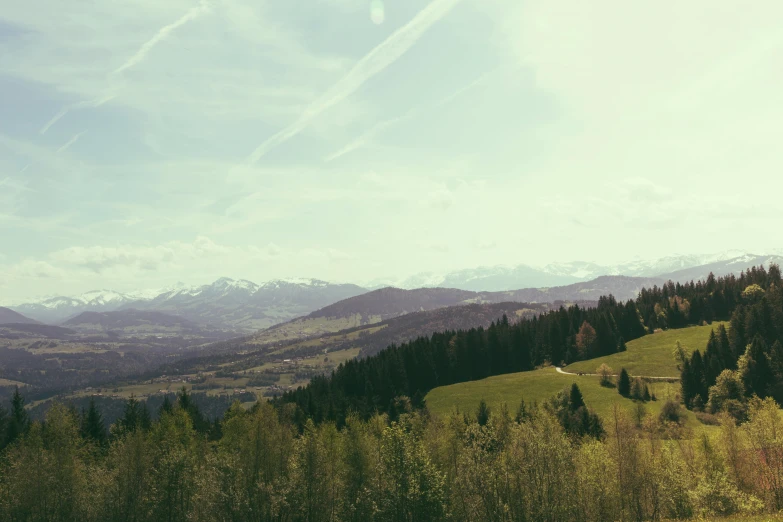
{"x": 146, "y": 142}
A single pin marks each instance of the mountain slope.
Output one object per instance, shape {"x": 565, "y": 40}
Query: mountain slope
{"x": 132, "y": 323}
{"x": 9, "y": 316}
{"x": 386, "y": 303}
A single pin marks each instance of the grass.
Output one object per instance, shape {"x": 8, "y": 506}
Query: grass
{"x": 540, "y": 385}
{"x": 651, "y": 355}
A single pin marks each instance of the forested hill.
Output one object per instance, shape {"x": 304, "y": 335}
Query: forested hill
{"x": 568, "y": 334}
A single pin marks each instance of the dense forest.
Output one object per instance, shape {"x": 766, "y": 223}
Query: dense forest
{"x": 744, "y": 361}
{"x": 256, "y": 465}
{"x": 370, "y": 385}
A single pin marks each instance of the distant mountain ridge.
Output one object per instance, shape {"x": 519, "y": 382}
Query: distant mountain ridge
{"x": 240, "y": 306}
{"x": 388, "y": 303}
{"x": 500, "y": 278}
{"x": 8, "y": 316}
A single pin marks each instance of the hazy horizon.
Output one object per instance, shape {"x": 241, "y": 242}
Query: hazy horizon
{"x": 147, "y": 143}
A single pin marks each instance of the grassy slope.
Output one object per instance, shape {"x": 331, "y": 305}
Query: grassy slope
{"x": 540, "y": 385}
{"x": 651, "y": 355}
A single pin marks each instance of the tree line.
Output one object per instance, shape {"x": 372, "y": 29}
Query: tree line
{"x": 549, "y": 462}
{"x": 744, "y": 361}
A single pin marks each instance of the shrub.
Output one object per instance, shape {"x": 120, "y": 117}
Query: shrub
{"x": 670, "y": 412}
{"x": 605, "y": 372}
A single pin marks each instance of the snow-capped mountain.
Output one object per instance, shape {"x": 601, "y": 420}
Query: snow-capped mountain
{"x": 502, "y": 278}
{"x": 231, "y": 304}
{"x": 244, "y": 306}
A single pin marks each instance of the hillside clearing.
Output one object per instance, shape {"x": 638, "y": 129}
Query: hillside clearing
{"x": 540, "y": 385}
{"x": 652, "y": 355}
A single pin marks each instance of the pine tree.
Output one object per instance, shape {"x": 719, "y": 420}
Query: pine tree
{"x": 724, "y": 346}
{"x": 166, "y": 407}
{"x": 482, "y": 413}
{"x": 757, "y": 374}
{"x": 19, "y": 422}
{"x": 93, "y": 427}
{"x": 575, "y": 399}
{"x": 624, "y": 383}
{"x": 3, "y": 426}
{"x": 523, "y": 413}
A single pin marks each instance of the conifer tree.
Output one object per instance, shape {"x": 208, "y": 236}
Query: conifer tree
{"x": 624, "y": 383}
{"x": 482, "y": 413}
{"x": 18, "y": 423}
{"x": 575, "y": 399}
{"x": 754, "y": 367}
{"x": 93, "y": 427}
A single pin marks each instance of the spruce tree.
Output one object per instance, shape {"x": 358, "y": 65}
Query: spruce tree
{"x": 757, "y": 374}
{"x": 575, "y": 399}
{"x": 3, "y": 426}
{"x": 19, "y": 422}
{"x": 624, "y": 383}
{"x": 166, "y": 407}
{"x": 483, "y": 413}
{"x": 93, "y": 427}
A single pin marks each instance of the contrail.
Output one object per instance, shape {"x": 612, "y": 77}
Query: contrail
{"x": 161, "y": 35}
{"x": 367, "y": 136}
{"x": 389, "y": 51}
{"x": 97, "y": 102}
{"x": 137, "y": 58}
{"x": 70, "y": 142}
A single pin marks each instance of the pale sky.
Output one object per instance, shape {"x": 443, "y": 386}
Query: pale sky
{"x": 147, "y": 142}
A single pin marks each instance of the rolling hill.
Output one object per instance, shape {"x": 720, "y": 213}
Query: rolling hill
{"x": 133, "y": 323}
{"x": 364, "y": 340}
{"x": 649, "y": 356}
{"x": 8, "y": 316}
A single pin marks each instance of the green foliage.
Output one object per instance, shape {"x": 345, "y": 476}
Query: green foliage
{"x": 670, "y": 412}
{"x": 483, "y": 413}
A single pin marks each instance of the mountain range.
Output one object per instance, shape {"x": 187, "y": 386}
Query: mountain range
{"x": 499, "y": 278}
{"x": 235, "y": 305}
{"x": 241, "y": 306}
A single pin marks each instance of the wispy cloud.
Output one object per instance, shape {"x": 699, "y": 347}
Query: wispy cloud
{"x": 366, "y": 137}
{"x": 161, "y": 35}
{"x": 97, "y": 102}
{"x": 385, "y": 54}
{"x": 376, "y": 129}
{"x": 70, "y": 142}
{"x": 134, "y": 60}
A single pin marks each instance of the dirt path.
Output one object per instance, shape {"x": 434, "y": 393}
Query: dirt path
{"x": 560, "y": 370}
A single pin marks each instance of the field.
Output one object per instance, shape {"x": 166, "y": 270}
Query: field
{"x": 540, "y": 385}
{"x": 651, "y": 355}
